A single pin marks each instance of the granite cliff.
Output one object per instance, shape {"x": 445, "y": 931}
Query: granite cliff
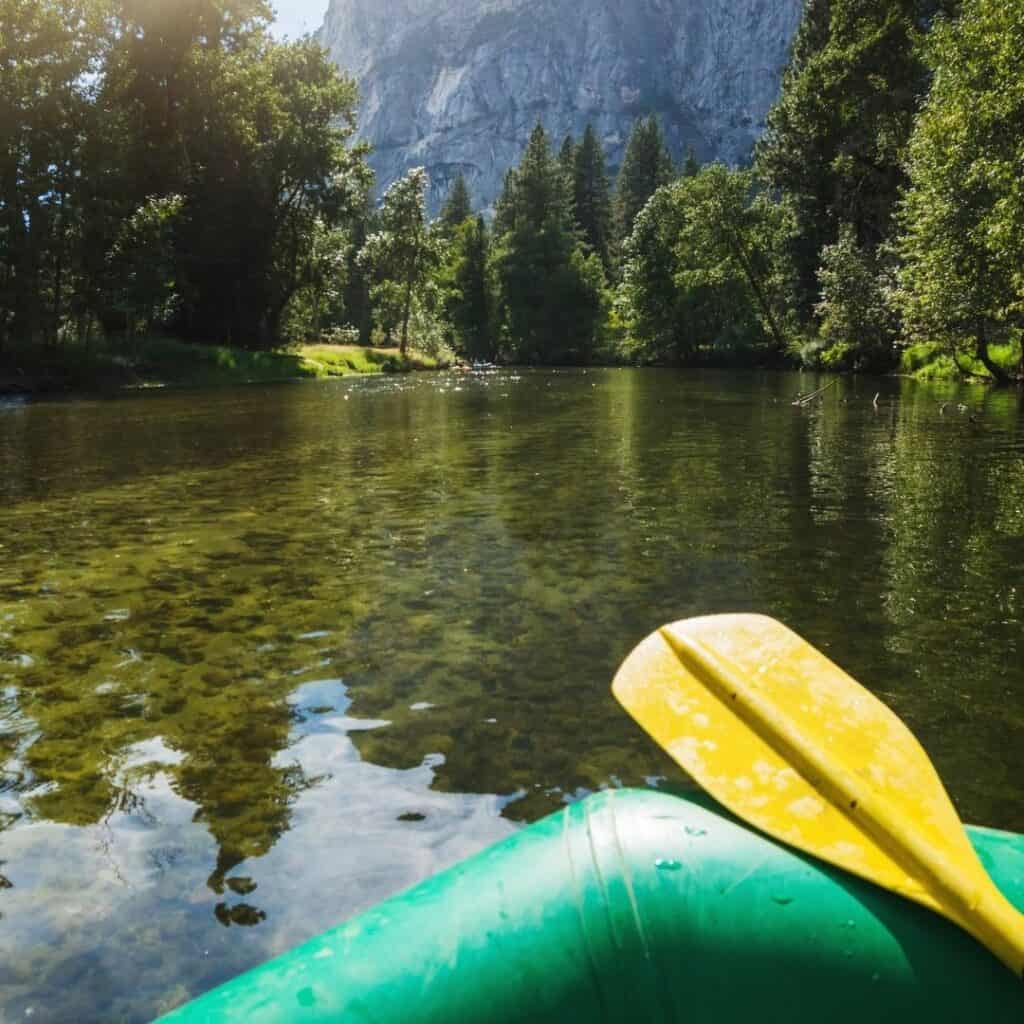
{"x": 457, "y": 85}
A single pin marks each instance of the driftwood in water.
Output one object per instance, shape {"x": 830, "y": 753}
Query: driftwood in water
{"x": 802, "y": 400}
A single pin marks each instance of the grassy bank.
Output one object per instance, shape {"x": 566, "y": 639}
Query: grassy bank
{"x": 164, "y": 362}
{"x": 932, "y": 361}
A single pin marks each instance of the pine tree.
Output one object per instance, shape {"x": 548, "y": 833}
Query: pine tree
{"x": 691, "y": 166}
{"x": 836, "y": 140}
{"x": 551, "y": 292}
{"x": 471, "y": 307}
{"x": 591, "y": 198}
{"x": 458, "y": 207}
{"x": 567, "y": 157}
{"x": 646, "y": 166}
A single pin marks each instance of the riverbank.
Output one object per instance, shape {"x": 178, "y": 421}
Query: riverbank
{"x": 165, "y": 362}
{"x": 933, "y": 362}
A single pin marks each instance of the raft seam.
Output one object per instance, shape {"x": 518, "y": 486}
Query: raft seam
{"x": 577, "y": 891}
{"x": 654, "y": 965}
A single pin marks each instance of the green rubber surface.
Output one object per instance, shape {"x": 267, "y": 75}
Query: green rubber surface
{"x": 638, "y": 907}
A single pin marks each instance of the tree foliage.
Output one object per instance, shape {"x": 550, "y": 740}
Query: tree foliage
{"x": 962, "y": 219}
{"x": 116, "y": 113}
{"x": 858, "y": 327}
{"x": 471, "y": 299}
{"x": 646, "y": 166}
{"x": 402, "y": 254}
{"x": 551, "y": 291}
{"x": 836, "y": 139}
{"x": 704, "y": 269}
{"x": 592, "y": 205}
{"x": 458, "y": 207}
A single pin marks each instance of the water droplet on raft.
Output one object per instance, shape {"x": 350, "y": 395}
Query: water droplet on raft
{"x": 667, "y": 865}
{"x": 783, "y": 901}
{"x": 692, "y": 831}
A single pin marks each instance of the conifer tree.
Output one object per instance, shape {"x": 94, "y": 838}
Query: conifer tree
{"x": 567, "y": 157}
{"x": 471, "y": 307}
{"x": 836, "y": 140}
{"x": 551, "y": 292}
{"x": 458, "y": 207}
{"x": 591, "y": 197}
{"x": 646, "y": 166}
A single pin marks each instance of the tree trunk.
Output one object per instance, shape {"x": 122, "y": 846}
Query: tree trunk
{"x": 406, "y": 311}
{"x": 1000, "y": 376}
{"x": 755, "y": 286}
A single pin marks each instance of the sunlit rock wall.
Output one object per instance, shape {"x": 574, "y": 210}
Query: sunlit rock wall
{"x": 457, "y": 85}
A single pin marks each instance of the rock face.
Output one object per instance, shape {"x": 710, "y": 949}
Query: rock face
{"x": 457, "y": 85}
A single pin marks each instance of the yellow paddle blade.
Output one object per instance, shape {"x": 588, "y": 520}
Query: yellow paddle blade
{"x": 787, "y": 741}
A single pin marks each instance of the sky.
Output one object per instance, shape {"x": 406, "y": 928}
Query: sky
{"x": 297, "y": 17}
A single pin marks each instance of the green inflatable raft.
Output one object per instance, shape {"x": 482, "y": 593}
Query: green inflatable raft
{"x": 639, "y": 907}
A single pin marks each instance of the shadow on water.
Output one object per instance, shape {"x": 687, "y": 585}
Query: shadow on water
{"x": 269, "y": 655}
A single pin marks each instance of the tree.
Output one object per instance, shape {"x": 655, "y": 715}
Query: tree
{"x": 143, "y": 264}
{"x": 858, "y": 328}
{"x": 592, "y": 201}
{"x": 458, "y": 207}
{"x": 704, "y": 268}
{"x": 471, "y": 295}
{"x": 551, "y": 292}
{"x": 402, "y": 253}
{"x": 962, "y": 218}
{"x": 567, "y": 160}
{"x": 160, "y": 64}
{"x": 50, "y": 54}
{"x": 836, "y": 139}
{"x": 646, "y": 166}
{"x": 269, "y": 141}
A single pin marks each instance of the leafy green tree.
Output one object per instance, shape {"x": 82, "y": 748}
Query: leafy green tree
{"x": 402, "y": 253}
{"x": 50, "y": 54}
{"x": 591, "y": 197}
{"x": 551, "y": 292}
{"x": 160, "y": 65}
{"x": 858, "y": 328}
{"x": 143, "y": 264}
{"x": 271, "y": 144}
{"x": 705, "y": 269}
{"x": 646, "y": 166}
{"x": 962, "y": 241}
{"x": 356, "y": 299}
{"x": 458, "y": 207}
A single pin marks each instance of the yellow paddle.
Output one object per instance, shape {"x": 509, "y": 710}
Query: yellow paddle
{"x": 787, "y": 741}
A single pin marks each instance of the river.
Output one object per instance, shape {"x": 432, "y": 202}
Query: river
{"x": 268, "y": 655}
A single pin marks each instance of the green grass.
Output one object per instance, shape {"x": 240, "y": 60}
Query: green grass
{"x": 162, "y": 362}
{"x": 932, "y": 361}
{"x": 343, "y": 360}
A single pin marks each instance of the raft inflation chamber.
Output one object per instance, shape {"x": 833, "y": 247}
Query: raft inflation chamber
{"x": 639, "y": 907}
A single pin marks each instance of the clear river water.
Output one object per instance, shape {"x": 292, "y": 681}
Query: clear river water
{"x": 268, "y": 655}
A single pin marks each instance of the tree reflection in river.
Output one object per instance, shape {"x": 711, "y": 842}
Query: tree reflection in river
{"x": 267, "y": 655}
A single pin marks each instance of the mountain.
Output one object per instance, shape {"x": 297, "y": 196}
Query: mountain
{"x": 457, "y": 85}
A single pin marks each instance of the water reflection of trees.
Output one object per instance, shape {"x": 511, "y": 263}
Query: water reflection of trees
{"x": 483, "y": 561}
